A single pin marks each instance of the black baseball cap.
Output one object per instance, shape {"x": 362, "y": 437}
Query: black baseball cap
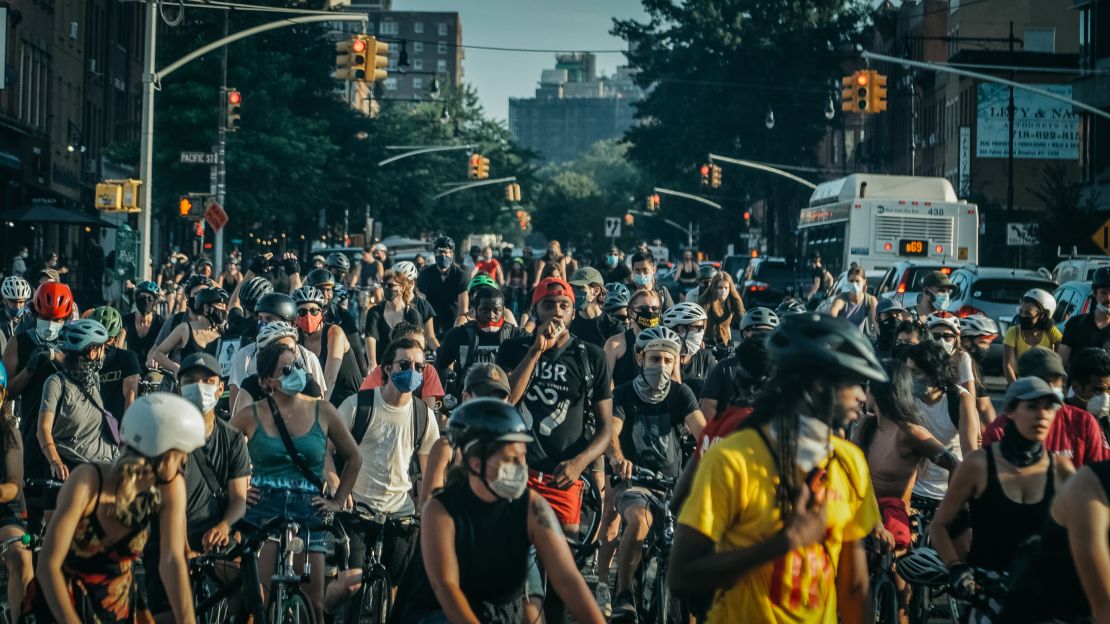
{"x": 199, "y": 360}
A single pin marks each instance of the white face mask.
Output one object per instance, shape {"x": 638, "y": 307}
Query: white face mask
{"x": 852, "y": 288}
{"x": 1099, "y": 405}
{"x": 949, "y": 347}
{"x": 1102, "y": 308}
{"x": 722, "y": 294}
{"x": 202, "y": 395}
{"x": 511, "y": 481}
{"x": 692, "y": 341}
{"x": 814, "y": 444}
{"x": 48, "y": 331}
{"x": 941, "y": 300}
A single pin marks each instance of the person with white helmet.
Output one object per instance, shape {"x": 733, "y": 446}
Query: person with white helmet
{"x": 945, "y": 330}
{"x": 398, "y": 296}
{"x": 689, "y": 321}
{"x": 1033, "y": 328}
{"x": 105, "y": 514}
{"x": 427, "y": 313}
{"x": 15, "y": 293}
{"x": 730, "y": 389}
{"x": 977, "y": 332}
{"x": 650, "y": 414}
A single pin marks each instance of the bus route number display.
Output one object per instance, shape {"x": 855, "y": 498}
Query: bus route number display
{"x": 912, "y": 248}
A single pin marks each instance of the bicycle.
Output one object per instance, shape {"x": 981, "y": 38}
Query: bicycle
{"x": 923, "y": 596}
{"x": 584, "y": 545}
{"x": 373, "y": 602}
{"x": 157, "y": 379}
{"x": 654, "y": 601}
{"x": 26, "y": 540}
{"x": 884, "y": 591}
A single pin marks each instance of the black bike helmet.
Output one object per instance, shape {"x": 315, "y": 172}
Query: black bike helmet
{"x": 1101, "y": 278}
{"x": 320, "y": 277}
{"x": 210, "y": 296}
{"x": 278, "y": 304}
{"x": 486, "y": 420}
{"x": 444, "y": 242}
{"x": 253, "y": 290}
{"x": 818, "y": 342}
{"x": 339, "y": 260}
{"x": 792, "y": 306}
{"x": 707, "y": 272}
{"x": 196, "y": 279}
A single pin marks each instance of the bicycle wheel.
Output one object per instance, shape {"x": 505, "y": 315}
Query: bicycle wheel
{"x": 584, "y": 543}
{"x": 293, "y": 608}
{"x": 668, "y": 608}
{"x": 375, "y": 600}
{"x": 920, "y": 599}
{"x": 885, "y": 601}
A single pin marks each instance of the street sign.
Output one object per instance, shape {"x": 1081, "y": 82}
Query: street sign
{"x": 612, "y": 227}
{"x": 1021, "y": 234}
{"x": 1102, "y": 237}
{"x": 127, "y": 253}
{"x": 198, "y": 158}
{"x": 215, "y": 216}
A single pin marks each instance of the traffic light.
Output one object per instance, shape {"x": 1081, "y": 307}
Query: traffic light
{"x": 472, "y": 166}
{"x": 629, "y": 219}
{"x": 234, "y": 104}
{"x": 350, "y": 62}
{"x": 653, "y": 202}
{"x": 715, "y": 176}
{"x": 483, "y": 167}
{"x": 198, "y": 228}
{"x": 377, "y": 59}
{"x": 523, "y": 219}
{"x": 747, "y": 219}
{"x": 512, "y": 192}
{"x": 704, "y": 175}
{"x": 185, "y": 206}
{"x": 848, "y": 94}
{"x": 878, "y": 92}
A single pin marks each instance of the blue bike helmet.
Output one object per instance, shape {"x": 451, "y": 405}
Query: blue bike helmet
{"x": 3, "y": 376}
{"x": 149, "y": 287}
{"x": 81, "y": 334}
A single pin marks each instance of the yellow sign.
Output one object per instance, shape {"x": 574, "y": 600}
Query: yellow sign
{"x": 1102, "y": 237}
{"x": 109, "y": 196}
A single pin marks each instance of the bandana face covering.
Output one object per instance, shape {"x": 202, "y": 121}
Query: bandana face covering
{"x": 1018, "y": 449}
{"x": 653, "y": 383}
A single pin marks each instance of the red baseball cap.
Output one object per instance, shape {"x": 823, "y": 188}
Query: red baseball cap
{"x": 552, "y": 287}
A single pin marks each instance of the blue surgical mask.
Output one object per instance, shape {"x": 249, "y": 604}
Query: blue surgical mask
{"x": 581, "y": 301}
{"x": 941, "y": 300}
{"x": 443, "y": 262}
{"x": 641, "y": 279}
{"x": 294, "y": 383}
{"x": 612, "y": 260}
{"x": 407, "y": 380}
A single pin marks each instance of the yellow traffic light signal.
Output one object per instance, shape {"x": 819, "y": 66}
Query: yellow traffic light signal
{"x": 377, "y": 59}
{"x": 878, "y": 92}
{"x": 350, "y": 61}
{"x": 863, "y": 91}
{"x": 472, "y": 166}
{"x": 512, "y": 192}
{"x": 109, "y": 196}
{"x": 715, "y": 176}
{"x": 483, "y": 167}
{"x": 184, "y": 206}
{"x": 234, "y": 105}
{"x": 848, "y": 94}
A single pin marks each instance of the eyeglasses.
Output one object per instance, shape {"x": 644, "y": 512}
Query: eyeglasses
{"x": 308, "y": 311}
{"x": 649, "y": 310}
{"x": 682, "y": 329}
{"x": 407, "y": 365}
{"x": 288, "y": 369}
{"x": 947, "y": 337}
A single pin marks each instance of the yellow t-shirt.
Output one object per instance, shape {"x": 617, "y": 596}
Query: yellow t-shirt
{"x": 733, "y": 503}
{"x": 1013, "y": 338}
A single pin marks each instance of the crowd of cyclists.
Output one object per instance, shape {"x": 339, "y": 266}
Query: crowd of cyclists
{"x": 484, "y": 412}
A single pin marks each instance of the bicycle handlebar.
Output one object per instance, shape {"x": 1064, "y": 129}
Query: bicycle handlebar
{"x": 649, "y": 478}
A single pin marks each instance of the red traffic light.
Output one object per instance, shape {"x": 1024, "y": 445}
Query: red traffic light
{"x": 705, "y": 170}
{"x": 358, "y": 45}
{"x": 234, "y": 97}
{"x": 861, "y": 78}
{"x": 747, "y": 215}
{"x": 475, "y": 159}
{"x": 655, "y": 199}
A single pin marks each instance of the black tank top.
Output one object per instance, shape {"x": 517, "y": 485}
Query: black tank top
{"x": 348, "y": 380}
{"x": 625, "y": 368}
{"x": 491, "y": 547}
{"x": 141, "y": 345}
{"x": 192, "y": 346}
{"x": 999, "y": 525}
{"x": 697, "y": 369}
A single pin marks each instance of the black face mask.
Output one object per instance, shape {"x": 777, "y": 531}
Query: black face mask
{"x": 886, "y": 332}
{"x": 1018, "y": 449}
{"x": 144, "y": 305}
{"x": 1027, "y": 322}
{"x": 978, "y": 353}
{"x": 754, "y": 357}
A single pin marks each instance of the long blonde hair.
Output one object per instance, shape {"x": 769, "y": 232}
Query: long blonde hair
{"x": 132, "y": 506}
{"x": 407, "y": 285}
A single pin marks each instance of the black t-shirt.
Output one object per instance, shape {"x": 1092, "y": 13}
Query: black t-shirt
{"x": 226, "y": 453}
{"x": 336, "y": 315}
{"x": 442, "y": 291}
{"x": 31, "y": 397}
{"x": 467, "y": 345}
{"x": 252, "y": 387}
{"x": 378, "y": 329}
{"x": 119, "y": 364}
{"x": 619, "y": 274}
{"x": 553, "y": 404}
{"x": 423, "y": 308}
{"x": 589, "y": 330}
{"x": 649, "y": 437}
{"x": 1081, "y": 332}
{"x": 141, "y": 345}
{"x": 729, "y": 384}
{"x": 697, "y": 370}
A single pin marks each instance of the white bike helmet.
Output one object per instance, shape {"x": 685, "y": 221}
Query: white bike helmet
{"x": 657, "y": 333}
{"x": 407, "y": 269}
{"x": 947, "y": 320}
{"x": 684, "y": 314}
{"x": 978, "y": 325}
{"x": 922, "y": 566}
{"x": 15, "y": 287}
{"x": 274, "y": 331}
{"x": 1042, "y": 298}
{"x": 308, "y": 294}
{"x": 159, "y": 422}
{"x": 759, "y": 317}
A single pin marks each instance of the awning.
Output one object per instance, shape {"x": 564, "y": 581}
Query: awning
{"x": 9, "y": 160}
{"x": 46, "y": 213}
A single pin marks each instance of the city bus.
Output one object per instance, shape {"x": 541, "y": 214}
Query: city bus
{"x": 876, "y": 220}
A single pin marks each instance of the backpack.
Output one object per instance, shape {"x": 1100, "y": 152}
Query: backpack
{"x": 364, "y": 413}
{"x": 589, "y": 417}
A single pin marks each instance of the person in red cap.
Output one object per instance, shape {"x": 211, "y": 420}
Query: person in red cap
{"x": 563, "y": 387}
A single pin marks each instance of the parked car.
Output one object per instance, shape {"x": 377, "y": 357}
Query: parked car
{"x": 1081, "y": 268}
{"x": 1072, "y": 299}
{"x": 903, "y": 280}
{"x": 767, "y": 281}
{"x": 735, "y": 265}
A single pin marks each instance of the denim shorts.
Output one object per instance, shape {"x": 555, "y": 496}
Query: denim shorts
{"x": 296, "y": 505}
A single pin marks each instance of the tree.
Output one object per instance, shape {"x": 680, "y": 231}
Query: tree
{"x": 1069, "y": 217}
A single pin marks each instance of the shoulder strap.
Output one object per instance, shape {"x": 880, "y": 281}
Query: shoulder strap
{"x": 955, "y": 399}
{"x": 419, "y": 422}
{"x": 364, "y": 411}
{"x": 587, "y": 373}
{"x": 287, "y": 441}
{"x": 214, "y": 485}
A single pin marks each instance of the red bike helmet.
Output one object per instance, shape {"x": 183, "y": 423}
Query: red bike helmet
{"x": 53, "y": 301}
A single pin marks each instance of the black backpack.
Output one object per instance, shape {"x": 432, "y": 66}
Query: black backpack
{"x": 364, "y": 412}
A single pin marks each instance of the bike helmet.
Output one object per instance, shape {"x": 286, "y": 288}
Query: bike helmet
{"x": 254, "y": 289}
{"x": 486, "y": 420}
{"x": 319, "y": 277}
{"x": 406, "y": 269}
{"x": 15, "y": 287}
{"x": 922, "y": 566}
{"x": 81, "y": 334}
{"x": 339, "y": 260}
{"x": 278, "y": 304}
{"x": 160, "y": 422}
{"x": 615, "y": 300}
{"x": 946, "y": 320}
{"x": 3, "y": 376}
{"x": 792, "y": 306}
{"x": 150, "y": 288}
{"x": 110, "y": 318}
{"x": 340, "y": 293}
{"x": 653, "y": 334}
{"x": 274, "y": 331}
{"x": 210, "y": 296}
{"x": 617, "y": 287}
{"x": 444, "y": 242}
{"x": 978, "y": 325}
{"x": 196, "y": 279}
{"x": 53, "y": 301}
{"x": 480, "y": 280}
{"x": 759, "y": 317}
{"x": 685, "y": 313}
{"x": 816, "y": 341}
{"x": 308, "y": 294}
{"x": 1042, "y": 298}
{"x": 707, "y": 272}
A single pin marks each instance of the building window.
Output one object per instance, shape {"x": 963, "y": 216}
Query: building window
{"x": 388, "y": 28}
{"x": 418, "y": 28}
{"x": 418, "y": 64}
{"x": 417, "y": 83}
{"x": 441, "y": 48}
{"x": 441, "y": 65}
{"x": 417, "y": 46}
{"x": 1040, "y": 40}
{"x": 390, "y": 84}
{"x": 443, "y": 29}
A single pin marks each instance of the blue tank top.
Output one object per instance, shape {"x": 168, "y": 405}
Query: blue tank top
{"x": 270, "y": 461}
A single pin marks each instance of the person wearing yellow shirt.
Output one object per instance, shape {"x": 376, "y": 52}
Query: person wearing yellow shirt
{"x": 778, "y": 511}
{"x": 1034, "y": 328}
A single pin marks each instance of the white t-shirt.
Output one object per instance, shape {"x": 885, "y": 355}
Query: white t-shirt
{"x": 386, "y": 449}
{"x": 245, "y": 364}
{"x": 932, "y": 482}
{"x": 964, "y": 373}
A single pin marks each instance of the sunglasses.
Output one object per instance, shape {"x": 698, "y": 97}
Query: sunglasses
{"x": 649, "y": 309}
{"x": 308, "y": 311}
{"x": 947, "y": 337}
{"x": 289, "y": 368}
{"x": 407, "y": 365}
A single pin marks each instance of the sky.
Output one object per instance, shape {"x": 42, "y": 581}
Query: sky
{"x": 544, "y": 24}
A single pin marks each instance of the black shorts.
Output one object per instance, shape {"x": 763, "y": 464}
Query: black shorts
{"x": 398, "y": 548}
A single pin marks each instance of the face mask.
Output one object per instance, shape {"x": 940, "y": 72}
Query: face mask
{"x": 1099, "y": 405}
{"x": 217, "y": 317}
{"x": 13, "y": 313}
{"x": 389, "y": 293}
{"x": 653, "y": 384}
{"x": 852, "y": 288}
{"x": 1102, "y": 308}
{"x": 24, "y": 254}
{"x": 310, "y": 324}
{"x": 921, "y": 386}
{"x": 407, "y": 380}
{"x": 692, "y": 342}
{"x": 722, "y": 294}
{"x": 1027, "y": 322}
{"x": 293, "y": 383}
{"x": 941, "y": 300}
{"x": 1059, "y": 394}
{"x": 443, "y": 262}
{"x": 144, "y": 305}
{"x": 979, "y": 354}
{"x": 492, "y": 327}
{"x": 511, "y": 481}
{"x": 949, "y": 347}
{"x": 657, "y": 377}
{"x": 48, "y": 331}
{"x": 647, "y": 320}
{"x": 612, "y": 260}
{"x": 202, "y": 395}
{"x": 641, "y": 279}
{"x": 754, "y": 358}
{"x": 581, "y": 299}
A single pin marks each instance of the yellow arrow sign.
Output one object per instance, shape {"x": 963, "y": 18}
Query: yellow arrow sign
{"x": 1102, "y": 237}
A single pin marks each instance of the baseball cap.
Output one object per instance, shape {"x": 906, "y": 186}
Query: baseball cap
{"x": 52, "y": 274}
{"x": 204, "y": 361}
{"x": 889, "y": 305}
{"x": 1026, "y": 388}
{"x": 936, "y": 279}
{"x": 485, "y": 379}
{"x": 1042, "y": 363}
{"x": 585, "y": 277}
{"x": 551, "y": 287}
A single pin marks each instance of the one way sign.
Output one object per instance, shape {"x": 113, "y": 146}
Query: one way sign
{"x": 612, "y": 227}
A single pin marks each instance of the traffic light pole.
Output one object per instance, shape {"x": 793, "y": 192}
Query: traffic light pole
{"x": 417, "y": 150}
{"x": 462, "y": 186}
{"x": 696, "y": 198}
{"x": 689, "y": 232}
{"x": 762, "y": 167}
{"x": 221, "y": 151}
